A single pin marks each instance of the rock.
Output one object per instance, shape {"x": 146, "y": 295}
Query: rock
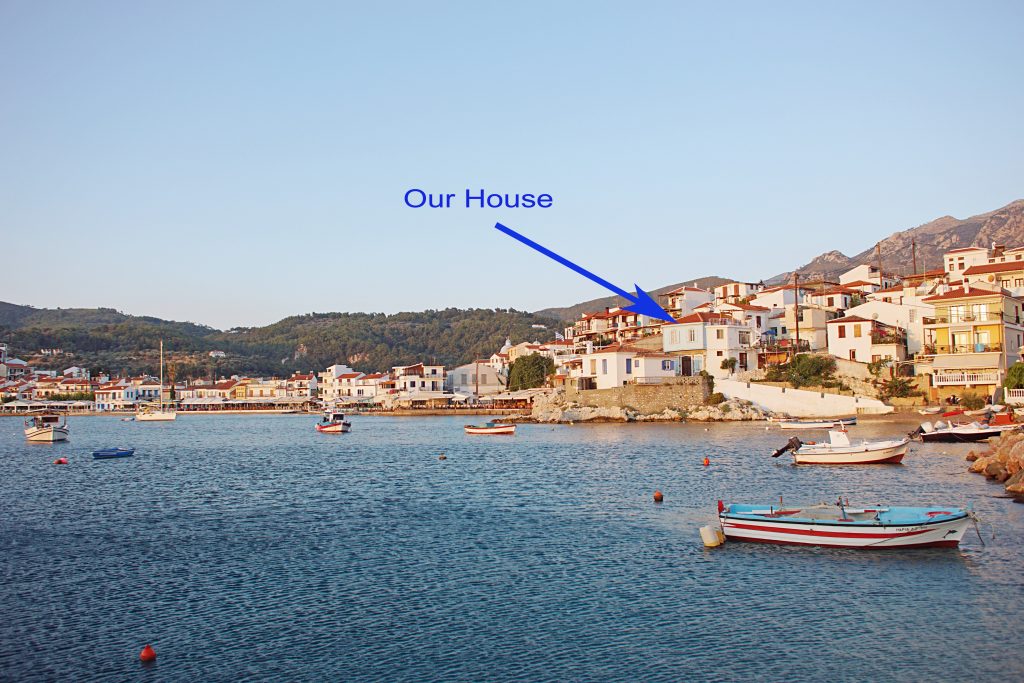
{"x": 994, "y": 470}
{"x": 972, "y": 456}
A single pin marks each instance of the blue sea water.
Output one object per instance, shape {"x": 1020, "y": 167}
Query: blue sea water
{"x": 254, "y": 548}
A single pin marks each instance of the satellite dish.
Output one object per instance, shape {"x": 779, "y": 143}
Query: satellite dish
{"x": 874, "y": 316}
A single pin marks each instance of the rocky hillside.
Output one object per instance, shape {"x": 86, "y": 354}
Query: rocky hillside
{"x": 1003, "y": 226}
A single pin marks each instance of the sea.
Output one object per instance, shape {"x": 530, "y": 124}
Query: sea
{"x": 252, "y": 548}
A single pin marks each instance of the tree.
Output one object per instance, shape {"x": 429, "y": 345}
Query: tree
{"x": 529, "y": 372}
{"x": 1014, "y": 377}
{"x": 729, "y": 364}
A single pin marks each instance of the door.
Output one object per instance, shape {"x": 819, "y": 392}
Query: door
{"x": 687, "y": 366}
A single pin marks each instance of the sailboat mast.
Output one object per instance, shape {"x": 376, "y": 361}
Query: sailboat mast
{"x": 161, "y": 374}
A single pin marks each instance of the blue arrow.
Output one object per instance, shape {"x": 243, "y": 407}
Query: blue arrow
{"x": 643, "y": 304}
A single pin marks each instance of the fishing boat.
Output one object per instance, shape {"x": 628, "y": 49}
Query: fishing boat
{"x": 108, "y": 453}
{"x": 157, "y": 413}
{"x": 818, "y": 424}
{"x": 490, "y": 428}
{"x": 333, "y": 423}
{"x": 841, "y": 526}
{"x": 839, "y": 450}
{"x": 949, "y": 432}
{"x": 48, "y": 427}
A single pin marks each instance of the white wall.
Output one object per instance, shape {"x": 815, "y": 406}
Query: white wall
{"x": 799, "y": 402}
{"x": 840, "y": 346}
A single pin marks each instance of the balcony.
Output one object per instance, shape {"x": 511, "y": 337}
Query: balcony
{"x": 941, "y": 349}
{"x": 965, "y": 378}
{"x": 892, "y": 338}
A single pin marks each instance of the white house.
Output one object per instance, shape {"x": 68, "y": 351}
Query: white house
{"x": 682, "y": 301}
{"x": 418, "y": 377}
{"x": 956, "y": 261}
{"x": 687, "y": 340}
{"x": 729, "y": 339}
{"x": 737, "y": 291}
{"x": 862, "y": 340}
{"x": 477, "y": 378}
{"x": 616, "y": 365}
{"x": 909, "y": 314}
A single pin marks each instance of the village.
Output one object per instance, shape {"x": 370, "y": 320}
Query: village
{"x": 938, "y": 336}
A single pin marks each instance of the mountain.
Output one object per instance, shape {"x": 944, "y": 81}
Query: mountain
{"x": 569, "y": 313}
{"x": 1002, "y": 226}
{"x": 108, "y": 341}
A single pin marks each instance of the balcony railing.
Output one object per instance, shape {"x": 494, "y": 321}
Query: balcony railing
{"x": 936, "y": 349}
{"x": 971, "y": 318}
{"x": 965, "y": 378}
{"x": 888, "y": 338}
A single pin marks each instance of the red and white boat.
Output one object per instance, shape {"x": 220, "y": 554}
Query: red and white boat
{"x": 334, "y": 423}
{"x": 491, "y": 428}
{"x": 842, "y": 526}
{"x": 839, "y": 450}
{"x": 48, "y": 427}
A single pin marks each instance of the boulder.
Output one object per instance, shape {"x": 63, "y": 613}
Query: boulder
{"x": 995, "y": 470}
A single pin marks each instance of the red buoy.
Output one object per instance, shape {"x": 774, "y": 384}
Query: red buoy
{"x": 60, "y": 461}
{"x": 147, "y": 654}
{"x": 707, "y": 461}
{"x": 658, "y": 497}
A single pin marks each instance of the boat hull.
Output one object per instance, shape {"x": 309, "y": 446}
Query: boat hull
{"x": 497, "y": 430}
{"x": 962, "y": 436}
{"x": 817, "y": 424}
{"x": 947, "y": 533}
{"x": 157, "y": 416}
{"x": 46, "y": 434}
{"x": 110, "y": 453}
{"x": 853, "y": 455}
{"x": 334, "y": 428}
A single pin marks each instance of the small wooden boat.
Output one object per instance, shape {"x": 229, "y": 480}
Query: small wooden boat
{"x": 490, "y": 428}
{"x": 108, "y": 453}
{"x": 839, "y": 451}
{"x": 930, "y": 411}
{"x": 842, "y": 526}
{"x": 818, "y": 424}
{"x": 47, "y": 426}
{"x": 333, "y": 423}
{"x": 948, "y": 432}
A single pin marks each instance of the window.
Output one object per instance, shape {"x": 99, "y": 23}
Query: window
{"x": 744, "y": 338}
{"x": 913, "y": 315}
{"x": 693, "y": 334}
{"x": 604, "y": 366}
{"x": 465, "y": 379}
{"x": 718, "y": 353}
{"x": 483, "y": 379}
{"x": 759, "y": 321}
{"x": 593, "y": 367}
{"x": 957, "y": 313}
{"x": 629, "y": 366}
{"x": 979, "y": 312}
{"x": 842, "y": 331}
{"x": 1018, "y": 282}
{"x": 719, "y": 334}
{"x": 668, "y": 365}
{"x": 853, "y": 354}
{"x": 856, "y": 330}
{"x": 831, "y": 301}
{"x": 675, "y": 336}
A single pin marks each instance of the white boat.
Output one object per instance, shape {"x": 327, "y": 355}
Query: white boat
{"x": 839, "y": 450}
{"x": 157, "y": 413}
{"x": 930, "y": 411}
{"x": 333, "y": 423}
{"x": 842, "y": 526}
{"x": 491, "y": 428}
{"x": 47, "y": 427}
{"x": 828, "y": 423}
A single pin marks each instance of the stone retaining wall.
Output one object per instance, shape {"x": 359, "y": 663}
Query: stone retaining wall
{"x": 647, "y": 399}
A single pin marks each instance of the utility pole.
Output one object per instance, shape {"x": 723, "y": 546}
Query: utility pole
{"x": 913, "y": 251}
{"x": 878, "y": 258}
{"x": 476, "y": 375}
{"x": 796, "y": 309}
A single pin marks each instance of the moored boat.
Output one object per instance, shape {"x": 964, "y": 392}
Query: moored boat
{"x": 333, "y": 423}
{"x": 839, "y": 450}
{"x": 842, "y": 526}
{"x": 948, "y": 432}
{"x": 490, "y": 428}
{"x": 158, "y": 412}
{"x": 828, "y": 423}
{"x": 108, "y": 453}
{"x": 47, "y": 427}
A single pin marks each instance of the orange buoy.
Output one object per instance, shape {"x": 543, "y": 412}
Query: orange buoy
{"x": 658, "y": 497}
{"x": 148, "y": 654}
{"x": 707, "y": 461}
{"x": 60, "y": 461}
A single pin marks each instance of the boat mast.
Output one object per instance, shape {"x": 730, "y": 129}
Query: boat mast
{"x": 161, "y": 375}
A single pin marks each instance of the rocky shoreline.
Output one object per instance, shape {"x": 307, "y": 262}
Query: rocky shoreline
{"x": 1004, "y": 463}
{"x": 555, "y": 408}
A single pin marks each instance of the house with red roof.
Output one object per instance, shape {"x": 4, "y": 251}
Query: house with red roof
{"x": 864, "y": 340}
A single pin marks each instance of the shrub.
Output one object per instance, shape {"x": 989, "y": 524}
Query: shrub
{"x": 715, "y": 398}
{"x": 1014, "y": 377}
{"x": 896, "y": 387}
{"x": 729, "y": 364}
{"x": 972, "y": 401}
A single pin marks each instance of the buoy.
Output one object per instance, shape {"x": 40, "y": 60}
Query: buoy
{"x": 442, "y": 457}
{"x": 148, "y": 654}
{"x": 707, "y": 461}
{"x": 658, "y": 497}
{"x": 711, "y": 537}
{"x": 60, "y": 461}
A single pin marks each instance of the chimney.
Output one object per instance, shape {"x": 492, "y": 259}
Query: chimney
{"x": 967, "y": 286}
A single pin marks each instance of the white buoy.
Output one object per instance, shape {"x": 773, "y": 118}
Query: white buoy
{"x": 711, "y": 536}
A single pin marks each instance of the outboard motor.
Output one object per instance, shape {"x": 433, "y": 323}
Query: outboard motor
{"x": 927, "y": 427}
{"x": 793, "y": 444}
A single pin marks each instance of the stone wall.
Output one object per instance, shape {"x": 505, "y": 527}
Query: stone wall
{"x": 676, "y": 393}
{"x": 800, "y": 402}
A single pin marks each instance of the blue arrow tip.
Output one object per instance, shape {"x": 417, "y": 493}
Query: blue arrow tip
{"x": 643, "y": 304}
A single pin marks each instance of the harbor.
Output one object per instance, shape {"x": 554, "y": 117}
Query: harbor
{"x": 257, "y": 545}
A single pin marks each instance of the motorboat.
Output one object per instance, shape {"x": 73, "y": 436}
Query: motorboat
{"x": 818, "y": 424}
{"x": 842, "y": 526}
{"x": 48, "y": 427}
{"x": 109, "y": 453}
{"x": 950, "y": 432}
{"x": 491, "y": 428}
{"x": 839, "y": 451}
{"x": 333, "y": 423}
{"x": 930, "y": 411}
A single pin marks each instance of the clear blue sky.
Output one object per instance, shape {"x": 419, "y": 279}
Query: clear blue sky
{"x": 234, "y": 163}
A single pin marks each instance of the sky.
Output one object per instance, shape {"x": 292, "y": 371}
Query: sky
{"x": 233, "y": 163}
